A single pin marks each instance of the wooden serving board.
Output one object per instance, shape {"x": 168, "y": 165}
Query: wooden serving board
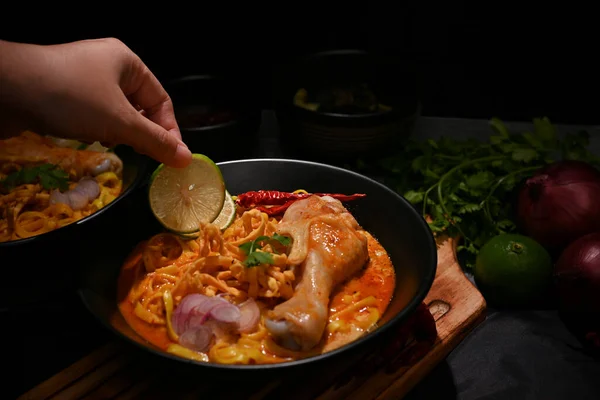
{"x": 117, "y": 371}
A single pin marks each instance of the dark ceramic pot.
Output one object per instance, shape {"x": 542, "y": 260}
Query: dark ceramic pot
{"x": 337, "y": 136}
{"x": 218, "y": 116}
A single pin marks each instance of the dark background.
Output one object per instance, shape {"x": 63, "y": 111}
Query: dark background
{"x": 473, "y": 59}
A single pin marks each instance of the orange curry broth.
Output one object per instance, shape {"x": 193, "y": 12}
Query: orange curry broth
{"x": 377, "y": 279}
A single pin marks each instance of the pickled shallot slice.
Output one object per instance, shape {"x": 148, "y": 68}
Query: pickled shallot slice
{"x": 249, "y": 315}
{"x": 226, "y": 312}
{"x": 198, "y": 339}
{"x": 193, "y": 305}
{"x": 77, "y": 198}
{"x": 199, "y": 318}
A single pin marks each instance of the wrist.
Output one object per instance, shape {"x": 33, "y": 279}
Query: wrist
{"x": 21, "y": 81}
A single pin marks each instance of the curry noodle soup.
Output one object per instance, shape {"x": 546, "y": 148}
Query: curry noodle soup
{"x": 267, "y": 289}
{"x": 48, "y": 183}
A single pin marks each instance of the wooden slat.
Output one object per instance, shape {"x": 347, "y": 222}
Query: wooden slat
{"x": 135, "y": 373}
{"x": 72, "y": 373}
{"x": 91, "y": 381}
{"x": 135, "y": 392}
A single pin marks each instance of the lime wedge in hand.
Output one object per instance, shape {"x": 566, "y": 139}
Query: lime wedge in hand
{"x": 183, "y": 198}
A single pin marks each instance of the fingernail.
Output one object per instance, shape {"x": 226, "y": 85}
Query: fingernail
{"x": 182, "y": 152}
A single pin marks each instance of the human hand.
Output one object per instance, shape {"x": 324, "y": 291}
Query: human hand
{"x": 90, "y": 90}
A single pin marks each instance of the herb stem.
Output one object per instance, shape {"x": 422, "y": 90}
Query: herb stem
{"x": 440, "y": 185}
{"x": 485, "y": 203}
{"x": 447, "y": 157}
{"x": 425, "y": 195}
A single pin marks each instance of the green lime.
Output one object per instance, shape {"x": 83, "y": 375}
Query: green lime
{"x": 513, "y": 270}
{"x": 183, "y": 198}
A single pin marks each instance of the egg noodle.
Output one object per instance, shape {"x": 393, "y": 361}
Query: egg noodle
{"x": 26, "y": 209}
{"x": 167, "y": 267}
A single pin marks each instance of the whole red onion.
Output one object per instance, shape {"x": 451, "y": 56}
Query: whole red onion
{"x": 577, "y": 276}
{"x": 560, "y": 203}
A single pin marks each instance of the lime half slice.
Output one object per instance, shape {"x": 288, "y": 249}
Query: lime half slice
{"x": 183, "y": 198}
{"x": 227, "y": 215}
{"x": 223, "y": 221}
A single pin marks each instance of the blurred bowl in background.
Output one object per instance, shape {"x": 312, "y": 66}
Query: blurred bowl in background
{"x": 342, "y": 104}
{"x": 48, "y": 264}
{"x": 217, "y": 115}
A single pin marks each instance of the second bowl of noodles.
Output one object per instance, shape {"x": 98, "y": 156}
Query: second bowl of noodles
{"x": 56, "y": 198}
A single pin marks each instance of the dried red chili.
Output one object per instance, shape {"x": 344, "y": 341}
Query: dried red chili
{"x": 283, "y": 199}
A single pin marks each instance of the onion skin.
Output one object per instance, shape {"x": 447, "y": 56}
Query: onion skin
{"x": 560, "y": 203}
{"x": 577, "y": 276}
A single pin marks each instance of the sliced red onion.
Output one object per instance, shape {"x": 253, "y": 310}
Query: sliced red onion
{"x": 77, "y": 200}
{"x": 197, "y": 339}
{"x": 226, "y": 312}
{"x": 198, "y": 318}
{"x": 56, "y": 197}
{"x": 194, "y": 305}
{"x": 249, "y": 315}
{"x": 89, "y": 187}
{"x": 86, "y": 190}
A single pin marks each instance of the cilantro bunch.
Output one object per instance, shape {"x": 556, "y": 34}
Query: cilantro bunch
{"x": 467, "y": 188}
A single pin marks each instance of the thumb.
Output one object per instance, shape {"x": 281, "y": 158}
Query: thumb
{"x": 155, "y": 141}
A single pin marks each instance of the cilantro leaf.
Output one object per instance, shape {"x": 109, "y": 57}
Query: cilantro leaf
{"x": 500, "y": 128}
{"x": 480, "y": 179}
{"x": 284, "y": 240}
{"x": 413, "y": 196}
{"x": 524, "y": 154}
{"x": 49, "y": 176}
{"x": 249, "y": 247}
{"x": 545, "y": 130}
{"x": 256, "y": 257}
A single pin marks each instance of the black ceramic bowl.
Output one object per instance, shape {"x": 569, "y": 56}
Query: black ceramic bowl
{"x": 218, "y": 116}
{"x": 50, "y": 260}
{"x": 388, "y": 216}
{"x": 334, "y": 134}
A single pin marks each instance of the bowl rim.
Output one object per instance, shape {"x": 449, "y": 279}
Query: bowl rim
{"x": 222, "y": 125}
{"x": 193, "y": 78}
{"x": 397, "y": 319}
{"x": 240, "y": 115}
{"x": 142, "y": 165}
{"x": 376, "y": 118}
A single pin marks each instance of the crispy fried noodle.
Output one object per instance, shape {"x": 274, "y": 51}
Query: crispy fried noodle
{"x": 267, "y": 289}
